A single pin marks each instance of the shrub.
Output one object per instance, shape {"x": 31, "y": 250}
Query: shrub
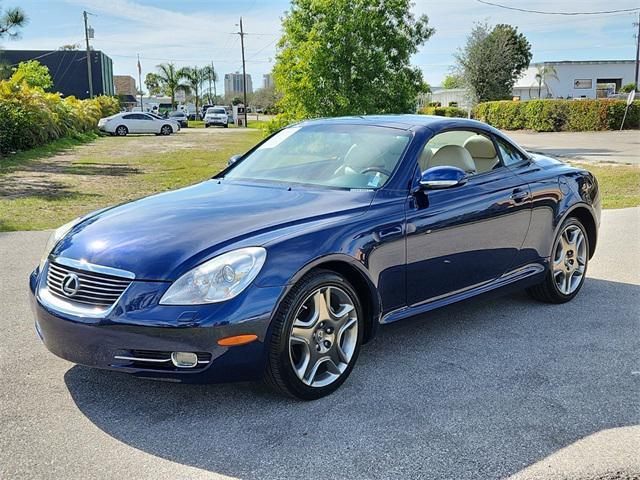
{"x": 444, "y": 111}
{"x": 559, "y": 115}
{"x": 30, "y": 117}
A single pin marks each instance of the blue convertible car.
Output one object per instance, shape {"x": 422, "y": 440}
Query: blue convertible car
{"x": 285, "y": 263}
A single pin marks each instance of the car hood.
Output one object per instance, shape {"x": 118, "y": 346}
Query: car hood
{"x": 162, "y": 236}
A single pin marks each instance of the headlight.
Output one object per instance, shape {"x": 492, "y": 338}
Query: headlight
{"x": 55, "y": 237}
{"x": 217, "y": 280}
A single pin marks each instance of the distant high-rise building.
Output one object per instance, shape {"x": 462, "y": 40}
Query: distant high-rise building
{"x": 233, "y": 84}
{"x": 267, "y": 80}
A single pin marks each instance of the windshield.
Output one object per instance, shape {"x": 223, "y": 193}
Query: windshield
{"x": 345, "y": 156}
{"x": 216, "y": 110}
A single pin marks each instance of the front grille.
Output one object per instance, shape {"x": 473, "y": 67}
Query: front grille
{"x": 93, "y": 288}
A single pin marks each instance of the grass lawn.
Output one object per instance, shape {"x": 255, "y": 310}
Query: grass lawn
{"x": 619, "y": 184}
{"x": 48, "y": 186}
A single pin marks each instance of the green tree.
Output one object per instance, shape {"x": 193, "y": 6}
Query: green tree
{"x": 452, "y": 81}
{"x": 628, "y": 88}
{"x": 543, "y": 72}
{"x": 266, "y": 99}
{"x": 194, "y": 78}
{"x": 492, "y": 60}
{"x": 344, "y": 57}
{"x": 152, "y": 83}
{"x": 11, "y": 20}
{"x": 34, "y": 74}
{"x": 170, "y": 80}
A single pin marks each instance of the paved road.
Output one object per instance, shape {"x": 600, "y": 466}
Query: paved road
{"x": 487, "y": 389}
{"x": 617, "y": 147}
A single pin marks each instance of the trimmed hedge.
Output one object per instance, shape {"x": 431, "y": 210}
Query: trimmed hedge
{"x": 30, "y": 117}
{"x": 558, "y": 115}
{"x": 444, "y": 111}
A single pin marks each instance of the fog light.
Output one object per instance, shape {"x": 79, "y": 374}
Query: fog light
{"x": 184, "y": 359}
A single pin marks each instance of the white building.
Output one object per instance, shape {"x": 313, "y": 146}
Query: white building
{"x": 576, "y": 79}
{"x": 267, "y": 80}
{"x": 565, "y": 79}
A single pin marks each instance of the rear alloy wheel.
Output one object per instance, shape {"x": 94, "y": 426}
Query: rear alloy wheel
{"x": 317, "y": 338}
{"x": 568, "y": 265}
{"x": 122, "y": 131}
{"x": 166, "y": 130}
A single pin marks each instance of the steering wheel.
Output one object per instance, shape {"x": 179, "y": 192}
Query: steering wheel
{"x": 384, "y": 171}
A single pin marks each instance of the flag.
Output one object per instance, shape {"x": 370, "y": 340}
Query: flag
{"x": 139, "y": 67}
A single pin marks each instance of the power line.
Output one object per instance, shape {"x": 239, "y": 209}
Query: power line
{"x": 602, "y": 12}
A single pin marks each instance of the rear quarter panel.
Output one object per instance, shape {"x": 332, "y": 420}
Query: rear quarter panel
{"x": 557, "y": 189}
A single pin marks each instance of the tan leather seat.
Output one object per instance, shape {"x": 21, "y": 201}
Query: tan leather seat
{"x": 483, "y": 152}
{"x": 453, "y": 156}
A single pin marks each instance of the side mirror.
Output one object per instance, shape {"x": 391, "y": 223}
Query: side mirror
{"x": 233, "y": 159}
{"x": 443, "y": 177}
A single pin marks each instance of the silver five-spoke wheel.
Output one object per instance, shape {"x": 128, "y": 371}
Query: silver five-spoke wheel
{"x": 323, "y": 336}
{"x": 570, "y": 259}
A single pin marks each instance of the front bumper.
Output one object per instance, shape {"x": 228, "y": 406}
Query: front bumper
{"x": 138, "y": 323}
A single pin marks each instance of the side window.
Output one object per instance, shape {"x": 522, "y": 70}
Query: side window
{"x": 130, "y": 117}
{"x": 508, "y": 153}
{"x": 142, "y": 116}
{"x": 471, "y": 151}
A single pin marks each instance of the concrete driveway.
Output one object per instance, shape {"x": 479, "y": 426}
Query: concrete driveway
{"x": 487, "y": 389}
{"x": 591, "y": 147}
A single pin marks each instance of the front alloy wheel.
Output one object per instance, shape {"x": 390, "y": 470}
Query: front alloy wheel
{"x": 317, "y": 336}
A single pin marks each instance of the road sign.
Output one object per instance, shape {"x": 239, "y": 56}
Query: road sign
{"x": 631, "y": 97}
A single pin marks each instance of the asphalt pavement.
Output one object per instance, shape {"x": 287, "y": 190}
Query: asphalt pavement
{"x": 589, "y": 147}
{"x": 485, "y": 389}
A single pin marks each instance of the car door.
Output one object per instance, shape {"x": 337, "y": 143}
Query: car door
{"x": 148, "y": 124}
{"x": 131, "y": 122}
{"x": 464, "y": 236}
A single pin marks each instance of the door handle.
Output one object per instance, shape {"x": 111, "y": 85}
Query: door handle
{"x": 388, "y": 232}
{"x": 519, "y": 195}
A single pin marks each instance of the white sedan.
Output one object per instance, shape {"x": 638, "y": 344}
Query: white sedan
{"x": 137, "y": 122}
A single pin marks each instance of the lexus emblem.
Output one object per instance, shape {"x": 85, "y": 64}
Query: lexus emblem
{"x": 70, "y": 284}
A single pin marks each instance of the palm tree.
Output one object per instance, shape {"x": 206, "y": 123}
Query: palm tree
{"x": 194, "y": 78}
{"x": 170, "y": 80}
{"x": 10, "y": 20}
{"x": 212, "y": 78}
{"x": 543, "y": 73}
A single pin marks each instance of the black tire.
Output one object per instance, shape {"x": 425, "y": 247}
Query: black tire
{"x": 547, "y": 291}
{"x": 206, "y": 125}
{"x": 166, "y": 130}
{"x": 280, "y": 374}
{"x": 226, "y": 125}
{"x": 122, "y": 131}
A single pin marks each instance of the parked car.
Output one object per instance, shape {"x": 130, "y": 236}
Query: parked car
{"x": 122, "y": 124}
{"x": 203, "y": 110}
{"x": 285, "y": 263}
{"x": 216, "y": 116}
{"x": 181, "y": 117}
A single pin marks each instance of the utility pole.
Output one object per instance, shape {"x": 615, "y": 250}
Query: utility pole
{"x": 86, "y": 37}
{"x": 244, "y": 74}
{"x": 637, "y": 52}
{"x": 140, "y": 82}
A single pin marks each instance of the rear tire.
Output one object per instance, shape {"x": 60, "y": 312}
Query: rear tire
{"x": 121, "y": 131}
{"x": 567, "y": 265}
{"x": 166, "y": 130}
{"x": 316, "y": 338}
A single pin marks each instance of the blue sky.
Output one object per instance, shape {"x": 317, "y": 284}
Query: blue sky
{"x": 200, "y": 31}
